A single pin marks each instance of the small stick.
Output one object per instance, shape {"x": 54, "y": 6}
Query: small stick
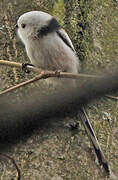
{"x": 41, "y": 75}
{"x": 14, "y": 163}
{"x": 38, "y": 77}
{"x": 17, "y": 65}
{"x": 50, "y": 73}
{"x": 112, "y": 97}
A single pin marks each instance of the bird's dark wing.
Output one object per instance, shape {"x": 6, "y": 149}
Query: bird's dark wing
{"x": 65, "y": 38}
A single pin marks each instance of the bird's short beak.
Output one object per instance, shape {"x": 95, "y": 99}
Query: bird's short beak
{"x": 16, "y": 26}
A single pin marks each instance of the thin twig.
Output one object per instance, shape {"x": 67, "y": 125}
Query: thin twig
{"x": 112, "y": 97}
{"x": 50, "y": 73}
{"x": 42, "y": 74}
{"x": 14, "y": 163}
{"x": 17, "y": 65}
{"x": 38, "y": 77}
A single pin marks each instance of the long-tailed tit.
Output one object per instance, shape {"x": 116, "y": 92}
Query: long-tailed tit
{"x": 47, "y": 45}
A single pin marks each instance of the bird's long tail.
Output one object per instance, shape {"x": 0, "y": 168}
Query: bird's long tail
{"x": 91, "y": 134}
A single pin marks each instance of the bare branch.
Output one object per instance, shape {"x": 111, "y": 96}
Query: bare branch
{"x": 42, "y": 75}
{"x": 17, "y": 65}
{"x": 49, "y": 73}
{"x": 112, "y": 97}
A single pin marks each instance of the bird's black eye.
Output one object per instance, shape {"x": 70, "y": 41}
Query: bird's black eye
{"x": 23, "y": 25}
{"x": 16, "y": 25}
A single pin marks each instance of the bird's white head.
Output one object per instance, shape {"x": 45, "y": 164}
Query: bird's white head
{"x": 29, "y": 23}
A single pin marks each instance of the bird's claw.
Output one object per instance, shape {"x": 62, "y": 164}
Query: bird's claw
{"x": 24, "y": 67}
{"x": 57, "y": 73}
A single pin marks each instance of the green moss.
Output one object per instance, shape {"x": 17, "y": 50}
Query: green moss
{"x": 58, "y": 11}
{"x": 104, "y": 29}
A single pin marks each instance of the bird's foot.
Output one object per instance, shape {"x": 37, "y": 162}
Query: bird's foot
{"x": 24, "y": 67}
{"x": 57, "y": 72}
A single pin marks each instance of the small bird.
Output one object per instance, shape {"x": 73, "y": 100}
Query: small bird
{"x": 49, "y": 47}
